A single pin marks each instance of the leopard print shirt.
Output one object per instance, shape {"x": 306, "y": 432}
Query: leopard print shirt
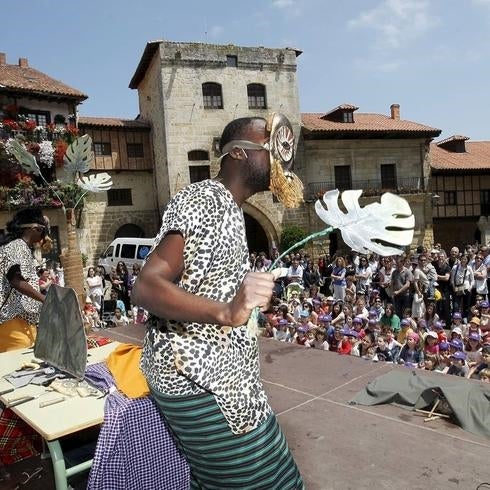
{"x": 13, "y": 303}
{"x": 188, "y": 358}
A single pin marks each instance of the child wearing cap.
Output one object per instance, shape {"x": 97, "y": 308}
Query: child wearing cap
{"x": 472, "y": 327}
{"x": 439, "y": 329}
{"x": 431, "y": 343}
{"x": 301, "y": 336}
{"x": 335, "y": 339}
{"x": 472, "y": 349}
{"x": 349, "y": 339}
{"x": 457, "y": 320}
{"x": 411, "y": 355}
{"x": 444, "y": 359}
{"x": 405, "y": 330}
{"x": 281, "y": 333}
{"x": 484, "y": 316}
{"x": 458, "y": 365}
{"x": 456, "y": 333}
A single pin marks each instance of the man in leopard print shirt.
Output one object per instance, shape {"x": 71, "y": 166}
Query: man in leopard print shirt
{"x": 197, "y": 285}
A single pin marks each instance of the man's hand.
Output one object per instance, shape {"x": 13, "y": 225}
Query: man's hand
{"x": 255, "y": 291}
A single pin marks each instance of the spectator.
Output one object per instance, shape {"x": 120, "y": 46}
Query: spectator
{"x": 461, "y": 282}
{"x": 401, "y": 281}
{"x": 390, "y": 320}
{"x": 410, "y": 354}
{"x": 95, "y": 291}
{"x": 119, "y": 320}
{"x": 338, "y": 278}
{"x": 295, "y": 272}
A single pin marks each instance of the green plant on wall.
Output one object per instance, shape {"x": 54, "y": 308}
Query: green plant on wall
{"x": 290, "y": 235}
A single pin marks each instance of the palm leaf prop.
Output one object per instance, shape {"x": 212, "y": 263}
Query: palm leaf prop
{"x": 95, "y": 182}
{"x": 26, "y": 160}
{"x": 377, "y": 227}
{"x": 79, "y": 156}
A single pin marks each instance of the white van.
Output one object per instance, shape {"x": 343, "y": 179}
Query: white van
{"x": 126, "y": 249}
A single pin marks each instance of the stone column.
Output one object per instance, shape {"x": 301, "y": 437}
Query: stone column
{"x": 71, "y": 259}
{"x": 484, "y": 226}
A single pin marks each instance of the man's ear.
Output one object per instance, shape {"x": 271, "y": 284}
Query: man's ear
{"x": 237, "y": 153}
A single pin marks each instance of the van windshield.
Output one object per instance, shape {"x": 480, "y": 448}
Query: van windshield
{"x": 109, "y": 251}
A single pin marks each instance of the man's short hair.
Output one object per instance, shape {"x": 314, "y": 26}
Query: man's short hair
{"x": 235, "y": 129}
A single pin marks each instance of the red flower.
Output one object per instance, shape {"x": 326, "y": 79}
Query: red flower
{"x": 29, "y": 125}
{"x": 11, "y": 124}
{"x": 50, "y": 126}
{"x": 33, "y": 148}
{"x": 72, "y": 130}
{"x": 59, "y": 152}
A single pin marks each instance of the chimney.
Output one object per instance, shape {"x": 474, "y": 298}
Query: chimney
{"x": 23, "y": 63}
{"x": 395, "y": 111}
{"x": 3, "y": 59}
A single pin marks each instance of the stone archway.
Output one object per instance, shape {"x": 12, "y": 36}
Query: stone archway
{"x": 262, "y": 236}
{"x": 130, "y": 230}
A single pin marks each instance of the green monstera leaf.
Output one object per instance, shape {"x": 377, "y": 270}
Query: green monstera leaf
{"x": 79, "y": 156}
{"x": 26, "y": 160}
{"x": 96, "y": 182}
{"x": 377, "y": 227}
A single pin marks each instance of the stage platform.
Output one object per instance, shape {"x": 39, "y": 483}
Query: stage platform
{"x": 342, "y": 446}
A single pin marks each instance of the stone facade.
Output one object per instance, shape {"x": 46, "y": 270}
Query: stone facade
{"x": 171, "y": 101}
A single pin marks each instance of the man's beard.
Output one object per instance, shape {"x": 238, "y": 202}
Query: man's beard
{"x": 257, "y": 179}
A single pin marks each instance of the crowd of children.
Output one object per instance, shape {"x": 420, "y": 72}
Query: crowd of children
{"x": 415, "y": 310}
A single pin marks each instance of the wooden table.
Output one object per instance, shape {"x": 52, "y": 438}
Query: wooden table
{"x": 55, "y": 421}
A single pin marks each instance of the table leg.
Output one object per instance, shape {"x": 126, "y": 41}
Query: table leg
{"x": 59, "y": 467}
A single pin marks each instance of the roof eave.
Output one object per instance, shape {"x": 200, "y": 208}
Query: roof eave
{"x": 150, "y": 49}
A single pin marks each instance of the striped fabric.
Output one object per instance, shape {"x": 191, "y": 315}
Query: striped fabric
{"x": 219, "y": 459}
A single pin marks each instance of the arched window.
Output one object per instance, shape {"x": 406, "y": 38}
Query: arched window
{"x": 212, "y": 95}
{"x": 197, "y": 155}
{"x": 256, "y": 96}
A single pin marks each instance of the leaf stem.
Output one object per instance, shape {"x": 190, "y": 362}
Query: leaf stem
{"x": 317, "y": 234}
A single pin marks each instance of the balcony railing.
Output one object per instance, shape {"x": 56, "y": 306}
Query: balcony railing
{"x": 375, "y": 187}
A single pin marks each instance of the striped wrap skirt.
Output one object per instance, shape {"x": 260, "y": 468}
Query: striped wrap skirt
{"x": 220, "y": 459}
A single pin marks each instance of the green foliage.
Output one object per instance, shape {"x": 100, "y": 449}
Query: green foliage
{"x": 291, "y": 234}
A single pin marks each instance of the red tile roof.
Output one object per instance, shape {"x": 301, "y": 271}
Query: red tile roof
{"x": 476, "y": 157}
{"x": 112, "y": 122}
{"x": 26, "y": 79}
{"x": 365, "y": 123}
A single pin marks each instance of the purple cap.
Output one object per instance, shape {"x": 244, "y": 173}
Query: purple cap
{"x": 443, "y": 345}
{"x": 373, "y": 312}
{"x": 457, "y": 344}
{"x": 302, "y": 329}
{"x": 457, "y": 315}
{"x": 375, "y": 291}
{"x": 283, "y": 321}
{"x": 484, "y": 304}
{"x": 459, "y": 355}
{"x": 474, "y": 336}
{"x": 437, "y": 326}
{"x": 372, "y": 321}
{"x": 350, "y": 333}
{"x": 357, "y": 319}
{"x": 405, "y": 322}
{"x": 325, "y": 318}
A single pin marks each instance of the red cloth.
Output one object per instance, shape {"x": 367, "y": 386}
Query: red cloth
{"x": 344, "y": 347}
{"x": 18, "y": 441}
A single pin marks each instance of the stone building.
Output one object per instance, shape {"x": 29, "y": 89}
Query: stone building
{"x": 123, "y": 149}
{"x": 461, "y": 191}
{"x": 377, "y": 153}
{"x": 188, "y": 92}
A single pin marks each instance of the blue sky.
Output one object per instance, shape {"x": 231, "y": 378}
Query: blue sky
{"x": 430, "y": 56}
